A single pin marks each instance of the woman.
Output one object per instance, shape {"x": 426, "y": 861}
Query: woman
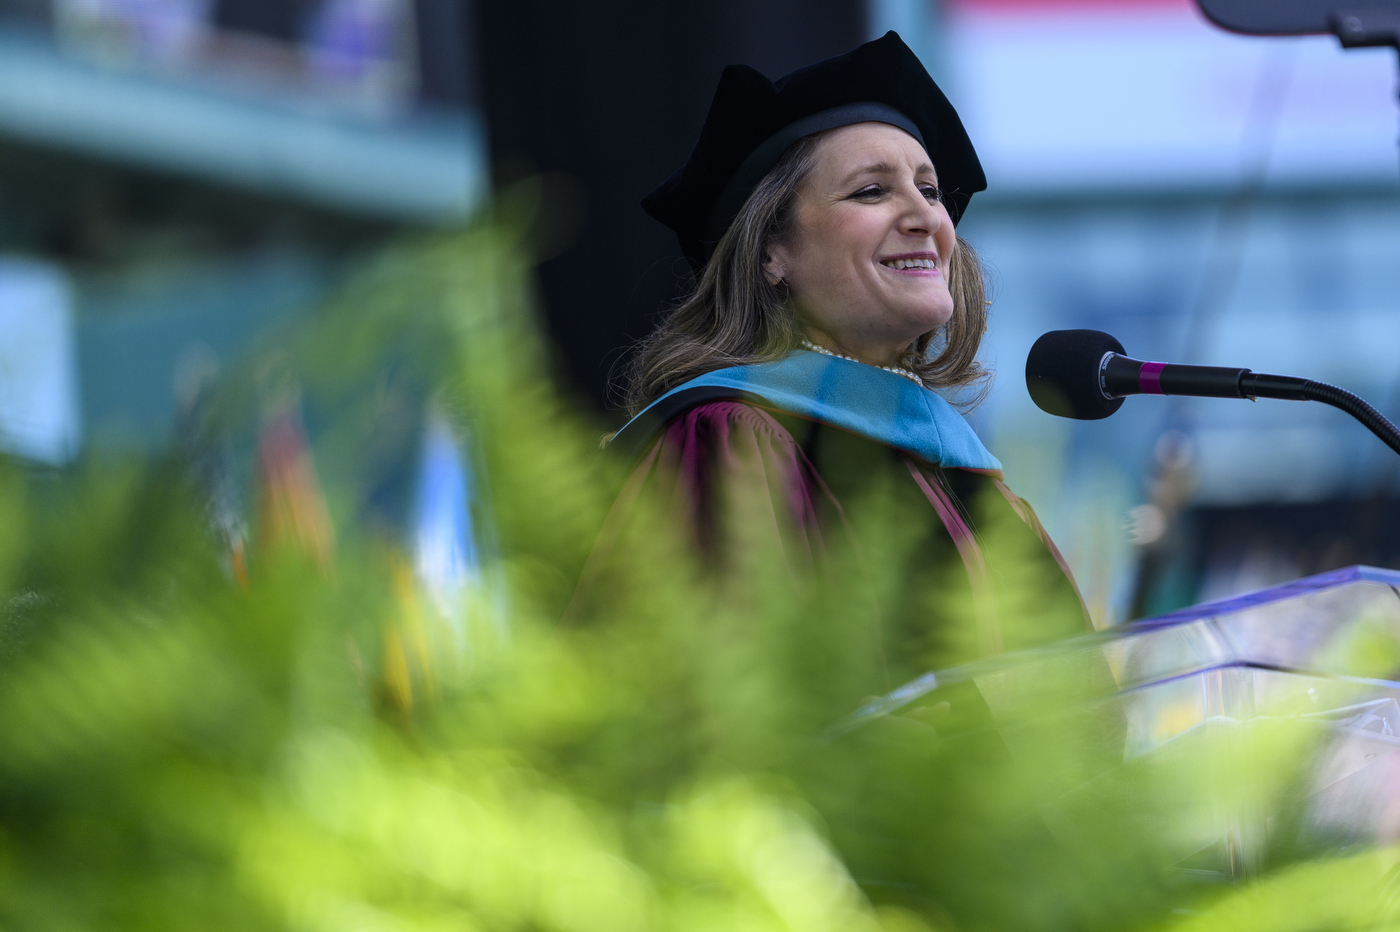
{"x": 833, "y": 298}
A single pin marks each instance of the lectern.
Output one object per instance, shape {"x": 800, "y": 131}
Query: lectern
{"x": 1274, "y": 717}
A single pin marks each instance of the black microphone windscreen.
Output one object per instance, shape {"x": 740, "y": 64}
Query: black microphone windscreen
{"x": 1062, "y": 373}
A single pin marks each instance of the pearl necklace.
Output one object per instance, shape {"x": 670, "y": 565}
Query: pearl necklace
{"x": 897, "y": 370}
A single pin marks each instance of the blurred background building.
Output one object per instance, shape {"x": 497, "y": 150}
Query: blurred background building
{"x": 181, "y": 179}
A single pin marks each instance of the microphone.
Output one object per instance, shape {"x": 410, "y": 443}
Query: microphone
{"x": 1086, "y": 374}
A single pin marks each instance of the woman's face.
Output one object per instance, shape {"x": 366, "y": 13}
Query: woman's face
{"x": 867, "y": 262}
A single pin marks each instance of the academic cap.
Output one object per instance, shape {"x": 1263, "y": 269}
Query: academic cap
{"x": 752, "y": 122}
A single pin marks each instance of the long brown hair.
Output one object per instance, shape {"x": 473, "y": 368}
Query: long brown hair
{"x": 736, "y": 317}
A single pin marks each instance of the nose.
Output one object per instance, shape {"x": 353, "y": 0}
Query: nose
{"x": 922, "y": 217}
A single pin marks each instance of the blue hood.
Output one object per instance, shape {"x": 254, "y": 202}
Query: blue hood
{"x": 864, "y": 400}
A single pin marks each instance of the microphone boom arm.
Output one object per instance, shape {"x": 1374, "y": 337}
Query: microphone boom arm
{"x": 1121, "y": 375}
{"x": 1354, "y": 405}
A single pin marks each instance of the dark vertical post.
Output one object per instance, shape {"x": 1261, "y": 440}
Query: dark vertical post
{"x": 612, "y": 95}
{"x": 445, "y": 32}
{"x": 275, "y": 19}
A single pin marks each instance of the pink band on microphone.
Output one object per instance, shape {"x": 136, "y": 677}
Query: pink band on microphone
{"x": 1150, "y": 378}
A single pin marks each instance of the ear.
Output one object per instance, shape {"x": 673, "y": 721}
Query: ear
{"x": 775, "y": 264}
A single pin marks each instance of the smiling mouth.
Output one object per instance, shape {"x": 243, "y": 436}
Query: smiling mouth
{"x": 901, "y": 265}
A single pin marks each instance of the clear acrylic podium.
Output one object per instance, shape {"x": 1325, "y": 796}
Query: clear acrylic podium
{"x": 1312, "y": 665}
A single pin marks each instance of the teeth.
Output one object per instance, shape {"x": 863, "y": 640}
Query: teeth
{"x": 910, "y": 264}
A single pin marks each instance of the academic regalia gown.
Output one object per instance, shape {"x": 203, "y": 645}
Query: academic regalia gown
{"x": 857, "y": 473}
{"x": 846, "y": 451}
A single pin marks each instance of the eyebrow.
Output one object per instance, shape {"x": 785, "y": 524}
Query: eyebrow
{"x": 884, "y": 168}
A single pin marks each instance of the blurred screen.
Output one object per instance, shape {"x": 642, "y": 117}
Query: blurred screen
{"x": 38, "y": 378}
{"x": 1147, "y": 94}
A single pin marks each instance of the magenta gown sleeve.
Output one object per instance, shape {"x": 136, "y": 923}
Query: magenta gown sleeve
{"x": 733, "y": 480}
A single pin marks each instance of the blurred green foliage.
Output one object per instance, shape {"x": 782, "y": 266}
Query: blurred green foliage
{"x": 316, "y": 749}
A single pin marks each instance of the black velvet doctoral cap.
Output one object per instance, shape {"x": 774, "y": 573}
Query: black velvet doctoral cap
{"x": 752, "y": 121}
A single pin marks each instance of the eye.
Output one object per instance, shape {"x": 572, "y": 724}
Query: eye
{"x": 932, "y": 191}
{"x": 869, "y": 193}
